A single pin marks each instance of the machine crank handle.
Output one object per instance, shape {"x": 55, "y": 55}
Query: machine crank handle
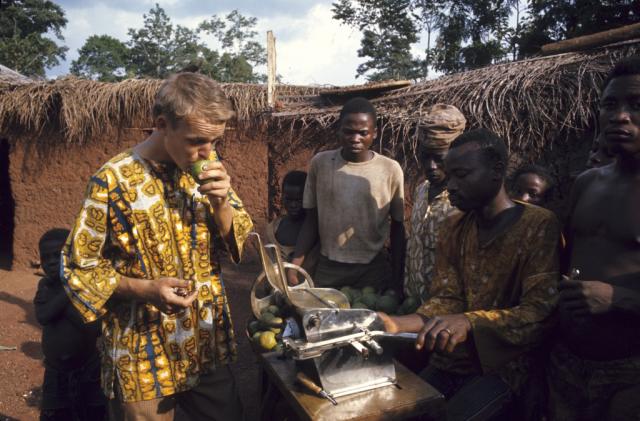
{"x": 398, "y": 337}
{"x": 309, "y": 384}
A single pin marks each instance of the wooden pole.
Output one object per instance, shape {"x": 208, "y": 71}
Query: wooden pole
{"x": 271, "y": 69}
{"x": 592, "y": 41}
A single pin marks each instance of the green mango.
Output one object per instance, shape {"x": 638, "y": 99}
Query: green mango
{"x": 359, "y": 304}
{"x": 369, "y": 300}
{"x": 273, "y": 309}
{"x": 253, "y": 327}
{"x": 410, "y": 305}
{"x": 197, "y": 168}
{"x": 387, "y": 304}
{"x": 368, "y": 290}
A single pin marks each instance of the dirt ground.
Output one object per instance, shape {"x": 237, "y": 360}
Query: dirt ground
{"x": 21, "y": 370}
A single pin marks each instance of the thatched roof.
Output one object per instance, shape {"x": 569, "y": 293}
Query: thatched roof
{"x": 73, "y": 110}
{"x": 531, "y": 103}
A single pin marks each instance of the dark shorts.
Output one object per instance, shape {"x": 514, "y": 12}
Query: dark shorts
{"x": 332, "y": 274}
{"x": 588, "y": 390}
{"x": 72, "y": 391}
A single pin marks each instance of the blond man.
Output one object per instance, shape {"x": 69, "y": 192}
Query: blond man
{"x": 140, "y": 257}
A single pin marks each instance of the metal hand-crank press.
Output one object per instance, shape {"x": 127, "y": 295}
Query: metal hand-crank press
{"x": 342, "y": 350}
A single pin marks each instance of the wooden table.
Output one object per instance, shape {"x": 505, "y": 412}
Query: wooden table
{"x": 412, "y": 398}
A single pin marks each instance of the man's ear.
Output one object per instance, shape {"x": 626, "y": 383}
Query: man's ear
{"x": 499, "y": 170}
{"x": 161, "y": 122}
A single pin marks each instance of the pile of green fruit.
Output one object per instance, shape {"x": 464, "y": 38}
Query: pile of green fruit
{"x": 387, "y": 302}
{"x": 265, "y": 331}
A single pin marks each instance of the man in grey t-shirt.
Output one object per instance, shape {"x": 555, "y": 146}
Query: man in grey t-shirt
{"x": 354, "y": 201}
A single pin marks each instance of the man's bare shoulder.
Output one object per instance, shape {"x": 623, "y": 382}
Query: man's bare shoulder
{"x": 593, "y": 175}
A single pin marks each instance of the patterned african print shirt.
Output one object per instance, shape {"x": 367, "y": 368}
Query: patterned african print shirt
{"x": 426, "y": 219}
{"x": 507, "y": 289}
{"x": 147, "y": 220}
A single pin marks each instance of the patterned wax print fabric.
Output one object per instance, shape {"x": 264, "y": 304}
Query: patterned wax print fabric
{"x": 507, "y": 289}
{"x": 426, "y": 219}
{"x": 147, "y": 220}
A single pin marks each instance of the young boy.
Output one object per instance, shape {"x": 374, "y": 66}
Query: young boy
{"x": 71, "y": 388}
{"x": 532, "y": 184}
{"x": 354, "y": 200}
{"x": 284, "y": 230}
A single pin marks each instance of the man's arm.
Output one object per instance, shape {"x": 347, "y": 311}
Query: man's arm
{"x": 443, "y": 310}
{"x": 49, "y": 302}
{"x": 307, "y": 239}
{"x": 398, "y": 245}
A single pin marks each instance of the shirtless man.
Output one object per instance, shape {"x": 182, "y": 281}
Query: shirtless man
{"x": 595, "y": 366}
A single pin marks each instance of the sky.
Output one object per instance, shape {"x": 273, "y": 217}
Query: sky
{"x": 311, "y": 47}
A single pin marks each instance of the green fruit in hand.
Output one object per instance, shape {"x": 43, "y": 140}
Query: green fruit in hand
{"x": 387, "y": 304}
{"x": 368, "y": 290}
{"x": 369, "y": 300}
{"x": 268, "y": 340}
{"x": 256, "y": 337}
{"x": 253, "y": 327}
{"x": 359, "y": 304}
{"x": 197, "y": 168}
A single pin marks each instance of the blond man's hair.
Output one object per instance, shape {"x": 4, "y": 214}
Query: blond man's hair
{"x": 194, "y": 96}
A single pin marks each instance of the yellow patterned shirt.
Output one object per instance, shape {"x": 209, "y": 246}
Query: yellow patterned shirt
{"x": 426, "y": 219}
{"x": 147, "y": 220}
{"x": 507, "y": 289}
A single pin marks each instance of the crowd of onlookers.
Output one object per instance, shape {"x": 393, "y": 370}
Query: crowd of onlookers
{"x": 523, "y": 315}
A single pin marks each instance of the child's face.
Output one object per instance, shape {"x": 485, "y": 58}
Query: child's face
{"x": 50, "y": 258}
{"x": 530, "y": 188}
{"x": 190, "y": 141}
{"x": 357, "y": 132}
{"x": 292, "y": 201}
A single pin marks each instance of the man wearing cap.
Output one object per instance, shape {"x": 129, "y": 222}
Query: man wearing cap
{"x": 431, "y": 204}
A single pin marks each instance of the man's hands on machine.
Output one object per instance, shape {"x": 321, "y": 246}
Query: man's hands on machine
{"x": 169, "y": 295}
{"x": 439, "y": 333}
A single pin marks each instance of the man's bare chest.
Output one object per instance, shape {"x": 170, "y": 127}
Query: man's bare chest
{"x": 609, "y": 211}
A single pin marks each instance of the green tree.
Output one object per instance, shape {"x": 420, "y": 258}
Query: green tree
{"x": 23, "y": 44}
{"x": 555, "y": 20}
{"x": 240, "y": 52}
{"x": 102, "y": 58}
{"x": 388, "y": 31}
{"x": 153, "y": 47}
{"x": 473, "y": 33}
